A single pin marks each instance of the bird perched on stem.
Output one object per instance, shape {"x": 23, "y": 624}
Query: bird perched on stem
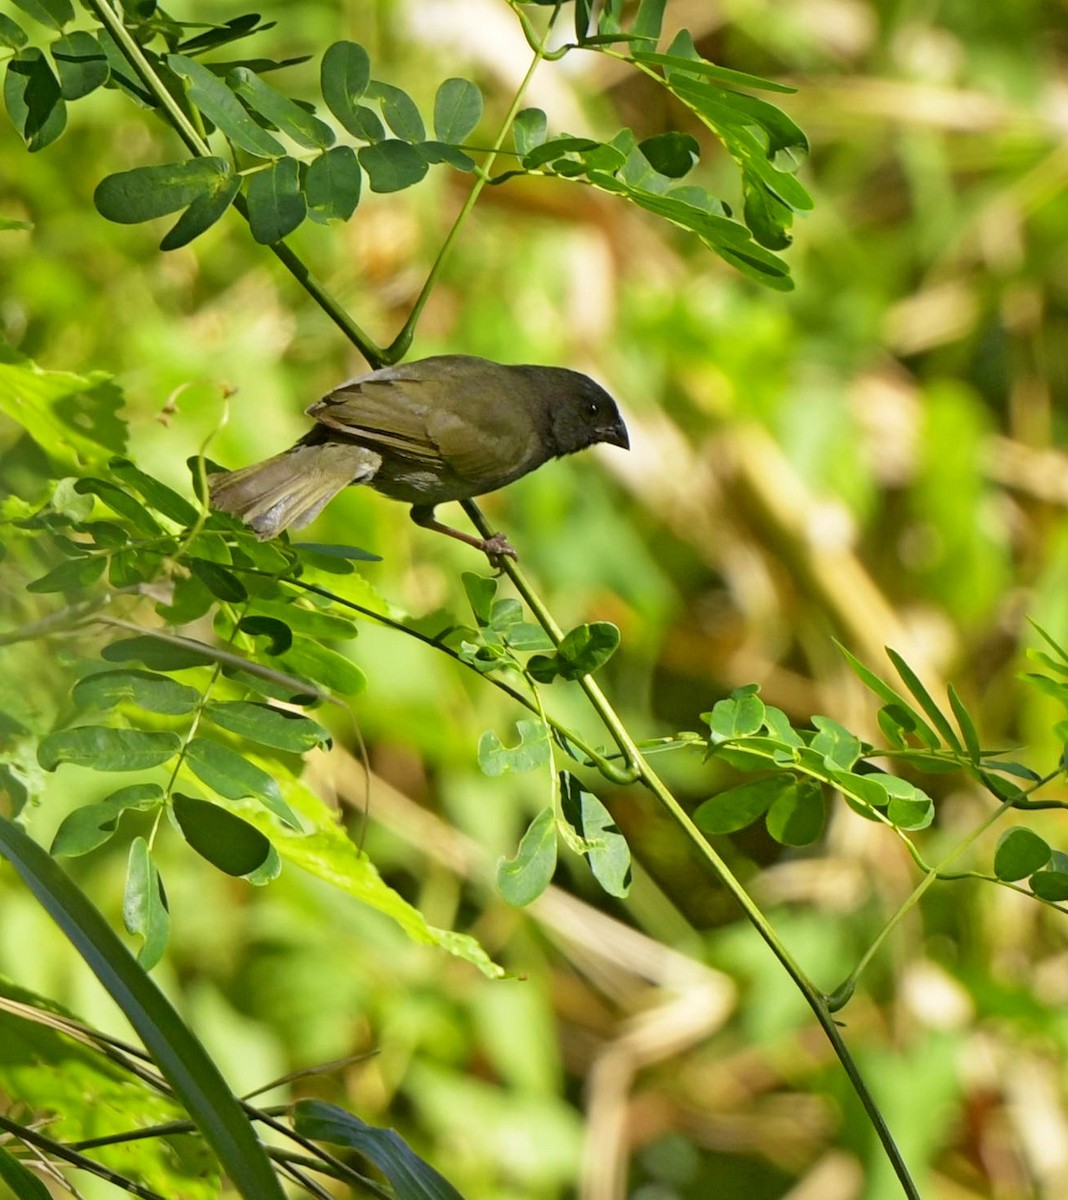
{"x": 446, "y": 428}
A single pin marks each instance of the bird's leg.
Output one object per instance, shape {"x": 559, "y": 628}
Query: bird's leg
{"x": 494, "y": 548}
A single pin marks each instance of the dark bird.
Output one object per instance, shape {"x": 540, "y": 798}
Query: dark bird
{"x": 445, "y": 428}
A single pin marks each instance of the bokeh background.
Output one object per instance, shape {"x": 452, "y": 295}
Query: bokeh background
{"x": 873, "y": 458}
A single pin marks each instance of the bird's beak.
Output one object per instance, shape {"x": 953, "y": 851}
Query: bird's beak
{"x": 615, "y": 434}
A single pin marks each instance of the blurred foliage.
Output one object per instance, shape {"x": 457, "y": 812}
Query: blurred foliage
{"x": 873, "y": 456}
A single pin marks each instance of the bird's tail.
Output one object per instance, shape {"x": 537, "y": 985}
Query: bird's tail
{"x": 291, "y": 488}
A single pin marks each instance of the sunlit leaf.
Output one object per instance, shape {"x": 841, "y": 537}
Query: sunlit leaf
{"x": 344, "y": 76}
{"x": 148, "y": 690}
{"x": 1020, "y": 851}
{"x": 81, "y": 64}
{"x": 299, "y": 124}
{"x": 219, "y": 104}
{"x": 532, "y": 750}
{"x": 144, "y": 904}
{"x": 457, "y": 110}
{"x": 233, "y": 776}
{"x": 91, "y": 825}
{"x": 609, "y": 856}
{"x": 269, "y": 726}
{"x": 332, "y": 183}
{"x": 522, "y": 879}
{"x": 797, "y": 814}
{"x": 392, "y": 165}
{"x": 738, "y": 807}
{"x": 105, "y": 749}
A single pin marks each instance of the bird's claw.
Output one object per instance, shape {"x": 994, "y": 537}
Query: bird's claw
{"x": 497, "y": 548}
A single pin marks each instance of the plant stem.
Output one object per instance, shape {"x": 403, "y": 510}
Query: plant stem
{"x": 645, "y": 774}
{"x": 399, "y": 347}
{"x": 199, "y": 148}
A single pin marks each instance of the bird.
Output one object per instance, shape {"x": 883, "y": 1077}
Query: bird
{"x": 450, "y": 427}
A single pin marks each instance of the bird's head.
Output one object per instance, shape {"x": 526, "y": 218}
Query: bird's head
{"x": 582, "y": 413}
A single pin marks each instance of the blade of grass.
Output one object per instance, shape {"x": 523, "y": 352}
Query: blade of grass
{"x": 183, "y": 1061}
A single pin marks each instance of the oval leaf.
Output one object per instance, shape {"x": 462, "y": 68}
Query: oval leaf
{"x": 457, "y": 110}
{"x": 81, "y": 63}
{"x": 269, "y": 726}
{"x": 104, "y": 749}
{"x": 222, "y": 107}
{"x": 332, "y": 184}
{"x": 1020, "y": 852}
{"x": 92, "y": 825}
{"x": 738, "y": 807}
{"x": 345, "y": 74}
{"x": 671, "y": 154}
{"x": 34, "y": 99}
{"x": 227, "y": 842}
{"x": 299, "y": 124}
{"x": 144, "y": 904}
{"x": 146, "y": 192}
{"x": 276, "y": 205}
{"x": 156, "y": 693}
{"x": 234, "y": 777}
{"x": 797, "y": 814}
{"x": 522, "y": 879}
{"x": 392, "y": 165}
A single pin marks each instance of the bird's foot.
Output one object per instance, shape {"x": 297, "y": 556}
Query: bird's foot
{"x": 497, "y": 548}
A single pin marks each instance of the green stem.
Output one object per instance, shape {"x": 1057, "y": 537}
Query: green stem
{"x": 644, "y": 773}
{"x": 399, "y": 346}
{"x": 199, "y": 147}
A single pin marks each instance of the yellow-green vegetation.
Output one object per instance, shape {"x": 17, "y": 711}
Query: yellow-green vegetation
{"x": 713, "y": 850}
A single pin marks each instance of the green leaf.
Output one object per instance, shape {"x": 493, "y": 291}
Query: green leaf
{"x": 529, "y": 129}
{"x": 70, "y": 576}
{"x": 276, "y": 205}
{"x": 480, "y": 591}
{"x": 139, "y": 195}
{"x": 557, "y": 148}
{"x": 314, "y": 622}
{"x": 144, "y": 904}
{"x": 582, "y": 651}
{"x": 967, "y": 725}
{"x": 392, "y": 165}
{"x": 709, "y": 71}
{"x": 609, "y": 855}
{"x": 53, "y": 13}
{"x": 1020, "y": 852}
{"x": 223, "y": 584}
{"x": 533, "y": 749}
{"x": 838, "y": 747}
{"x": 278, "y": 632}
{"x": 105, "y": 690}
{"x": 299, "y": 124}
{"x": 332, "y": 184}
{"x": 158, "y": 654}
{"x": 797, "y": 814}
{"x": 521, "y": 880}
{"x": 738, "y": 807}
{"x": 898, "y": 705}
{"x": 11, "y": 33}
{"x": 399, "y": 110}
{"x": 222, "y": 108}
{"x": 909, "y": 808}
{"x": 409, "y": 1176}
{"x": 1051, "y": 883}
{"x": 269, "y": 726}
{"x": 103, "y": 749}
{"x": 766, "y": 215}
{"x": 234, "y": 777}
{"x": 671, "y": 154}
{"x": 442, "y": 152}
{"x": 233, "y": 30}
{"x": 649, "y": 19}
{"x": 323, "y": 666}
{"x": 227, "y": 842}
{"x": 81, "y": 63}
{"x": 937, "y": 717}
{"x": 457, "y": 110}
{"x": 202, "y": 213}
{"x": 121, "y": 502}
{"x": 92, "y": 825}
{"x": 34, "y": 99}
{"x": 23, "y": 1183}
{"x": 195, "y": 1079}
{"x": 741, "y": 715}
{"x": 162, "y": 498}
{"x": 344, "y": 76}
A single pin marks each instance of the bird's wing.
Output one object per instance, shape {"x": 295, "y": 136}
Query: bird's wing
{"x": 392, "y": 414}
{"x": 403, "y": 414}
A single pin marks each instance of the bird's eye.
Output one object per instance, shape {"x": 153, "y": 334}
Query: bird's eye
{"x": 593, "y": 408}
